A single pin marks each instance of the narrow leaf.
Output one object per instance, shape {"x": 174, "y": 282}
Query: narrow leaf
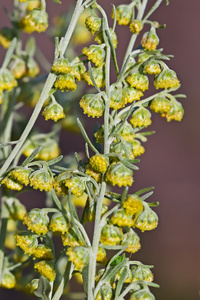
{"x": 121, "y": 282}
{"x": 146, "y": 196}
{"x": 9, "y": 53}
{"x": 31, "y": 157}
{"x": 84, "y": 134}
{"x": 144, "y": 190}
{"x": 30, "y": 47}
{"x": 44, "y": 289}
{"x": 55, "y": 160}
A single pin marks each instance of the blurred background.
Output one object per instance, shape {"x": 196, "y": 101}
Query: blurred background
{"x": 171, "y": 161}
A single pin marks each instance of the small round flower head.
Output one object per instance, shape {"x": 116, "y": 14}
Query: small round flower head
{"x": 79, "y": 256}
{"x": 118, "y": 174}
{"x": 27, "y": 242}
{"x": 90, "y": 212}
{"x": 136, "y": 26}
{"x": 46, "y": 269}
{"x": 59, "y": 223}
{"x": 99, "y": 163}
{"x": 130, "y": 94}
{"x": 92, "y": 105}
{"x": 160, "y": 104}
{"x": 8, "y": 280}
{"x": 37, "y": 221}
{"x": 142, "y": 57}
{"x": 99, "y": 135}
{"x": 18, "y": 67}
{"x": 132, "y": 241}
{"x": 101, "y": 255}
{"x": 128, "y": 276}
{"x": 123, "y": 14}
{"x": 36, "y": 20}
{"x": 7, "y": 80}
{"x": 116, "y": 100}
{"x": 6, "y": 36}
{"x": 142, "y": 295}
{"x": 119, "y": 148}
{"x": 95, "y": 53}
{"x": 20, "y": 174}
{"x": 11, "y": 183}
{"x": 141, "y": 117}
{"x": 152, "y": 67}
{"x": 127, "y": 132}
{"x": 33, "y": 4}
{"x": 133, "y": 204}
{"x": 42, "y": 180}
{"x": 61, "y": 66}
{"x": 150, "y": 40}
{"x": 93, "y": 23}
{"x": 43, "y": 252}
{"x": 92, "y": 173}
{"x": 53, "y": 111}
{"x": 99, "y": 38}
{"x": 99, "y": 77}
{"x": 17, "y": 209}
{"x": 176, "y": 112}
{"x": 166, "y": 79}
{"x": 65, "y": 82}
{"x": 107, "y": 291}
{"x": 138, "y": 81}
{"x": 138, "y": 149}
{"x": 32, "y": 68}
{"x": 71, "y": 239}
{"x": 146, "y": 220}
{"x": 141, "y": 272}
{"x": 111, "y": 235}
{"x": 122, "y": 219}
{"x": 32, "y": 286}
{"x": 76, "y": 184}
{"x": 78, "y": 68}
{"x": 59, "y": 184}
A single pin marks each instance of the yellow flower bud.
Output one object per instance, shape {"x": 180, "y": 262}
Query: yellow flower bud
{"x": 132, "y": 241}
{"x": 65, "y": 82}
{"x": 6, "y": 36}
{"x": 16, "y": 208}
{"x": 131, "y": 94}
{"x": 27, "y": 242}
{"x": 133, "y": 204}
{"x": 166, "y": 79}
{"x": 20, "y": 174}
{"x": 122, "y": 219}
{"x": 36, "y": 20}
{"x": 119, "y": 148}
{"x": 138, "y": 81}
{"x": 116, "y": 99}
{"x": 138, "y": 149}
{"x": 93, "y": 23}
{"x": 152, "y": 67}
{"x": 99, "y": 135}
{"x": 7, "y": 80}
{"x": 101, "y": 255}
{"x": 61, "y": 66}
{"x": 41, "y": 180}
{"x": 142, "y": 294}
{"x": 18, "y": 67}
{"x": 99, "y": 77}
{"x": 71, "y": 239}
{"x": 123, "y": 14}
{"x": 107, "y": 291}
{"x": 136, "y": 26}
{"x": 78, "y": 68}
{"x": 92, "y": 105}
{"x": 141, "y": 117}
{"x": 150, "y": 40}
{"x": 37, "y": 221}
{"x": 59, "y": 184}
{"x": 99, "y": 163}
{"x": 160, "y": 105}
{"x": 176, "y": 112}
{"x": 43, "y": 252}
{"x": 8, "y": 280}
{"x": 146, "y": 220}
{"x": 94, "y": 174}
{"x": 79, "y": 256}
{"x": 118, "y": 174}
{"x": 11, "y": 184}
{"x": 90, "y": 212}
{"x": 59, "y": 223}
{"x": 33, "y": 68}
{"x": 111, "y": 235}
{"x": 128, "y": 276}
{"x": 99, "y": 38}
{"x": 141, "y": 272}
{"x": 95, "y": 53}
{"x": 76, "y": 184}
{"x": 53, "y": 111}
{"x": 46, "y": 269}
{"x": 127, "y": 132}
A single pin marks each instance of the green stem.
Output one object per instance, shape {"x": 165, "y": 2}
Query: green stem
{"x": 4, "y": 221}
{"x": 47, "y": 87}
{"x": 134, "y": 36}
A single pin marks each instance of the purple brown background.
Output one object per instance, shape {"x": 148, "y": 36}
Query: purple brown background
{"x": 171, "y": 161}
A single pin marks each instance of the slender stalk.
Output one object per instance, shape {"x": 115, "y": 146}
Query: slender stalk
{"x": 47, "y": 87}
{"x": 4, "y": 221}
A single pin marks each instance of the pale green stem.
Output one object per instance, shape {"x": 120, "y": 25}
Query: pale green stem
{"x": 47, "y": 87}
{"x": 134, "y": 36}
{"x": 4, "y": 221}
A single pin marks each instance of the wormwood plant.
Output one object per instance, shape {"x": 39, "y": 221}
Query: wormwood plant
{"x": 31, "y": 240}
